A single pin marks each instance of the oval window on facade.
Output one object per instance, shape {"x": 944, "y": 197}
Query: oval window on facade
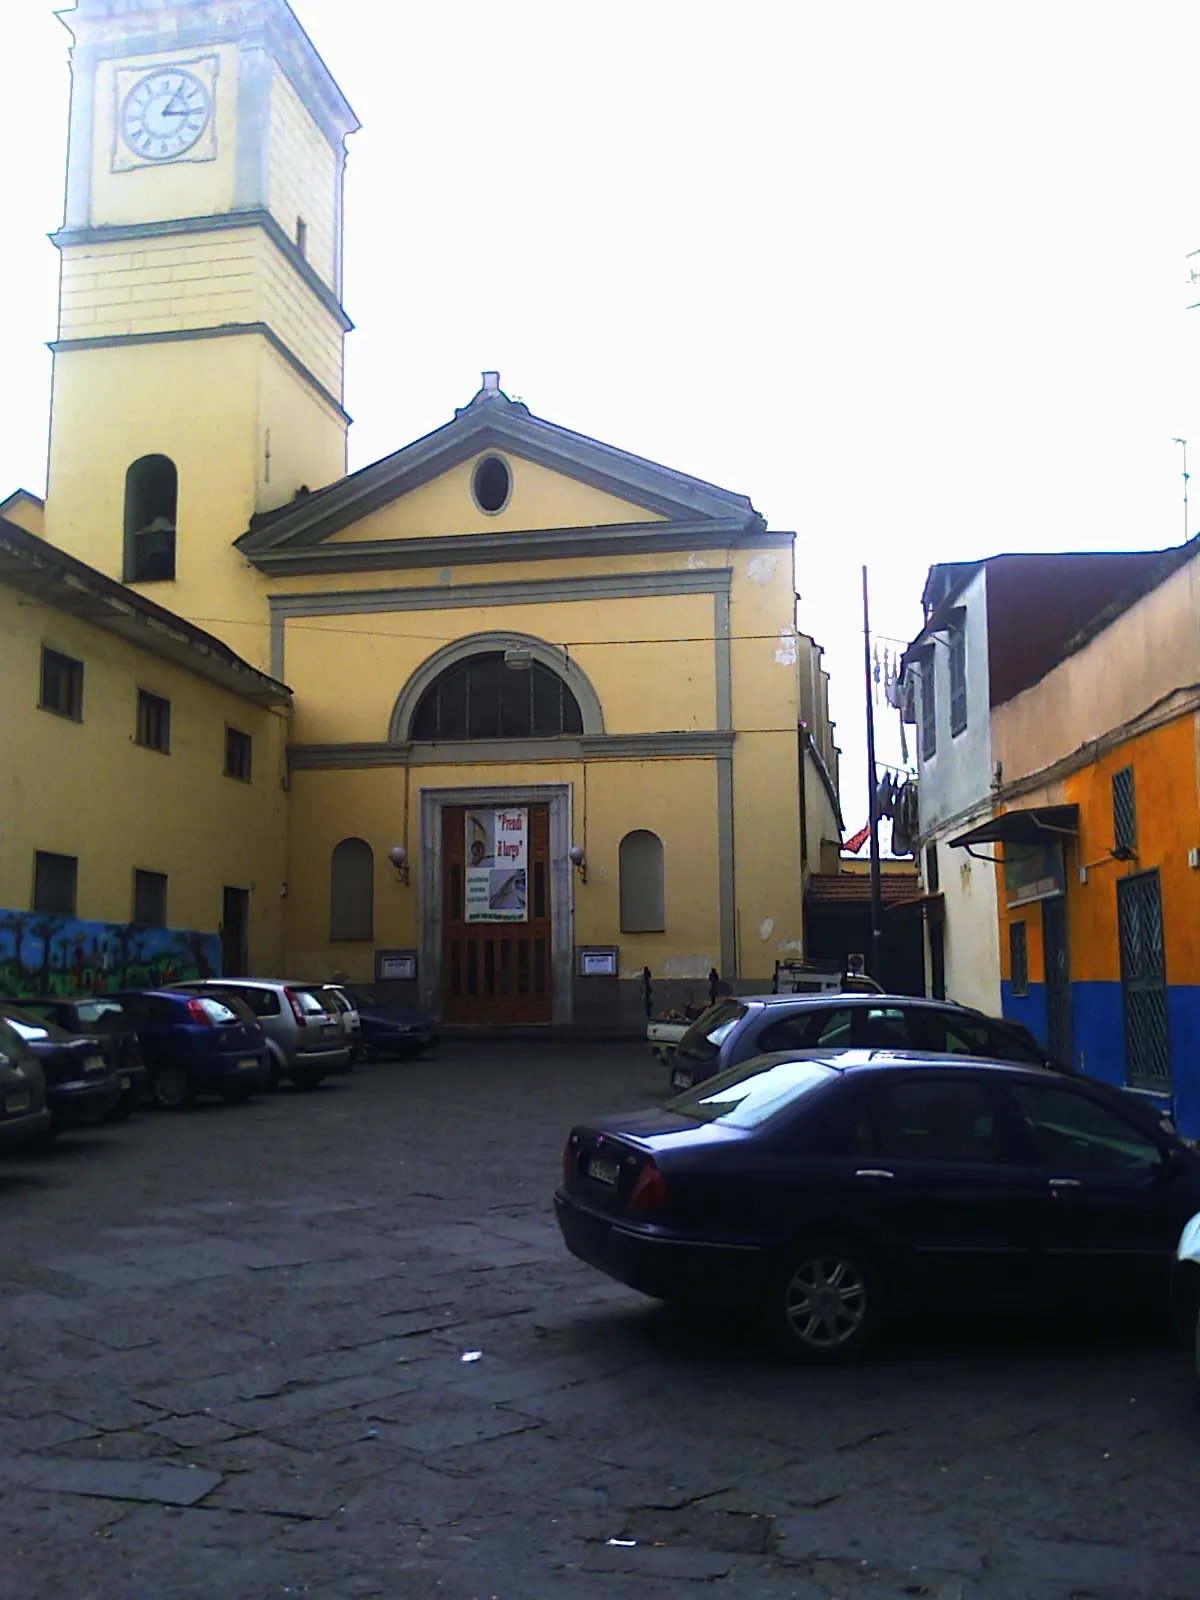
{"x": 491, "y": 484}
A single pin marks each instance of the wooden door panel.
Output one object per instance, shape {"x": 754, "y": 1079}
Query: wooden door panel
{"x": 496, "y": 972}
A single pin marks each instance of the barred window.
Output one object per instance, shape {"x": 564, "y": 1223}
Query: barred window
{"x": 62, "y": 685}
{"x": 1124, "y": 811}
{"x": 928, "y": 711}
{"x": 482, "y": 698}
{"x": 1018, "y": 958}
{"x": 958, "y": 680}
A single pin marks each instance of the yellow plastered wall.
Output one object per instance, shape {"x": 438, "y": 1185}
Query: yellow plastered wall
{"x": 540, "y": 498}
{"x": 86, "y": 789}
{"x": 675, "y": 799}
{"x": 643, "y": 688}
{"x": 186, "y": 188}
{"x": 303, "y": 176}
{"x": 179, "y": 283}
{"x": 207, "y": 406}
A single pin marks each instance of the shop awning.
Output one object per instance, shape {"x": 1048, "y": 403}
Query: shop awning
{"x": 1034, "y": 825}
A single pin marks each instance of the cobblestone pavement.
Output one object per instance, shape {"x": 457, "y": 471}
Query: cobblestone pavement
{"x": 233, "y": 1366}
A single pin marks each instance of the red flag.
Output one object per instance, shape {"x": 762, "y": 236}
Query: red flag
{"x": 856, "y": 840}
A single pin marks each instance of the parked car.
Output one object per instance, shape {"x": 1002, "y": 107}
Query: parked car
{"x": 198, "y": 1045}
{"x": 346, "y": 1009}
{"x": 101, "y": 1017}
{"x": 823, "y": 1193}
{"x": 1185, "y": 1289}
{"x": 24, "y": 1114}
{"x": 389, "y": 1029}
{"x": 736, "y": 1030}
{"x": 304, "y": 1036}
{"x": 81, "y": 1078}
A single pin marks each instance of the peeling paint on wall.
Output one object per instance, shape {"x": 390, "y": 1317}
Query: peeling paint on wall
{"x": 761, "y": 569}
{"x": 787, "y": 651}
{"x": 766, "y": 928}
{"x": 688, "y": 966}
{"x": 696, "y": 560}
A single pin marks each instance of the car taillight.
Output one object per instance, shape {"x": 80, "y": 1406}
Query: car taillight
{"x": 198, "y": 1014}
{"x": 650, "y": 1190}
{"x": 301, "y": 1020}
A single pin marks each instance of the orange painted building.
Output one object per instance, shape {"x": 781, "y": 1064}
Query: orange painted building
{"x": 1097, "y": 839}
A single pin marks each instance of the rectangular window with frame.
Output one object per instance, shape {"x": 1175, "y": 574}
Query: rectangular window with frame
{"x": 150, "y": 898}
{"x": 62, "y": 685}
{"x": 239, "y": 753}
{"x": 55, "y": 883}
{"x": 928, "y": 711}
{"x": 153, "y": 721}
{"x": 958, "y": 680}
{"x": 1124, "y": 811}
{"x": 1018, "y": 958}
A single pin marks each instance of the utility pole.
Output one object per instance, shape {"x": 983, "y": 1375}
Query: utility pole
{"x": 876, "y": 960}
{"x": 1183, "y": 442}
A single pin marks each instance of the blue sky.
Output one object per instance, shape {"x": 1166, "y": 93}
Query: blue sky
{"x": 913, "y": 277}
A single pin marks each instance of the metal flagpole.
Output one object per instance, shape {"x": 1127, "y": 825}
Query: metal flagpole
{"x": 1183, "y": 442}
{"x": 876, "y": 960}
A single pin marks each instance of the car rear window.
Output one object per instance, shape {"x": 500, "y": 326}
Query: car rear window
{"x": 262, "y": 1002}
{"x": 311, "y": 1003}
{"x": 746, "y": 1096}
{"x": 705, "y": 1036}
{"x": 30, "y": 1026}
{"x": 218, "y": 1010}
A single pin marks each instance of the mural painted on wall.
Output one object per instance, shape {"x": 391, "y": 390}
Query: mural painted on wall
{"x": 42, "y": 954}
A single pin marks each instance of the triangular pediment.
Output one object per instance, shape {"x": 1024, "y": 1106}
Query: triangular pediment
{"x": 401, "y": 510}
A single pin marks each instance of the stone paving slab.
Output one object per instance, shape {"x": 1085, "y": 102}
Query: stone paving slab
{"x": 259, "y": 1315}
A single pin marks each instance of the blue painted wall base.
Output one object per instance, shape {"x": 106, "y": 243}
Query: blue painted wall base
{"x": 1098, "y": 1026}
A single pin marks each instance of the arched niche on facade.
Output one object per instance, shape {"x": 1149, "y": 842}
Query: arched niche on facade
{"x": 442, "y": 665}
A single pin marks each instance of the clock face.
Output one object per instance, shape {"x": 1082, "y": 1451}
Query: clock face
{"x": 164, "y": 114}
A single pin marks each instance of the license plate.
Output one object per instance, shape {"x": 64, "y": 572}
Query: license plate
{"x": 248, "y": 1065}
{"x": 604, "y": 1171}
{"x": 14, "y": 1104}
{"x": 95, "y": 1064}
{"x": 681, "y": 1080}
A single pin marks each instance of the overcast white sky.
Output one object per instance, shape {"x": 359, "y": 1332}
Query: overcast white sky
{"x": 911, "y": 276}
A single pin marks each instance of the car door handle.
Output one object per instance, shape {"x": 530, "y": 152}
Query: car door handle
{"x": 1066, "y": 1183}
{"x": 874, "y": 1172}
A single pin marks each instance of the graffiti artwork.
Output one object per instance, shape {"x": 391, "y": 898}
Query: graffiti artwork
{"x": 43, "y": 954}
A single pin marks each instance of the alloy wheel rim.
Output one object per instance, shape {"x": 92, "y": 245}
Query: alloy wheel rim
{"x": 170, "y": 1087}
{"x": 825, "y": 1302}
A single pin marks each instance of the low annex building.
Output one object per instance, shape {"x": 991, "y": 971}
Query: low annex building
{"x": 550, "y": 724}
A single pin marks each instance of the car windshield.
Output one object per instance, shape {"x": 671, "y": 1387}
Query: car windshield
{"x": 746, "y": 1096}
{"x": 703, "y": 1039}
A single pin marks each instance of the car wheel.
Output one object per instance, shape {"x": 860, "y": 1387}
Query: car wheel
{"x": 824, "y": 1300}
{"x": 171, "y": 1088}
{"x": 123, "y": 1109}
{"x": 306, "y": 1079}
{"x": 276, "y": 1073}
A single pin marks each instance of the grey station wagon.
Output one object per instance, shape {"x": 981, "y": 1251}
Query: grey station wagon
{"x": 735, "y": 1030}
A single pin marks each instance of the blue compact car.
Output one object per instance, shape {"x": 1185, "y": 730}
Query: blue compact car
{"x": 197, "y": 1044}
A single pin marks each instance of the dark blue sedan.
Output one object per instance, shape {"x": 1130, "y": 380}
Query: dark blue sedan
{"x": 198, "y": 1045}
{"x": 823, "y": 1193}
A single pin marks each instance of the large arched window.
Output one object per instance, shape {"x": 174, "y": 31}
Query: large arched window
{"x": 352, "y": 891}
{"x": 641, "y": 870}
{"x": 151, "y": 502}
{"x": 484, "y": 697}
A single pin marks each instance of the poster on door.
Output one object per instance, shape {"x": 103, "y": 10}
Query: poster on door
{"x": 497, "y": 863}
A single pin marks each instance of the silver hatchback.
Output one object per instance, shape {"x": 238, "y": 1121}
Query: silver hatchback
{"x": 304, "y": 1031}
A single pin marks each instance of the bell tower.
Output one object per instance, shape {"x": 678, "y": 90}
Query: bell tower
{"x": 198, "y": 367}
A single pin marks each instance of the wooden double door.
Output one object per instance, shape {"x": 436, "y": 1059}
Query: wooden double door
{"x": 496, "y": 972}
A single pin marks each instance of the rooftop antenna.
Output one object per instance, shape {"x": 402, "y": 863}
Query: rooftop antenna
{"x": 1183, "y": 442}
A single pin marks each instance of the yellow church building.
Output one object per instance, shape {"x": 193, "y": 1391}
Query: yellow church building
{"x": 524, "y": 714}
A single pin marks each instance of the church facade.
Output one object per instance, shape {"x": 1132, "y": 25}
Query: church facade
{"x": 551, "y": 723}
